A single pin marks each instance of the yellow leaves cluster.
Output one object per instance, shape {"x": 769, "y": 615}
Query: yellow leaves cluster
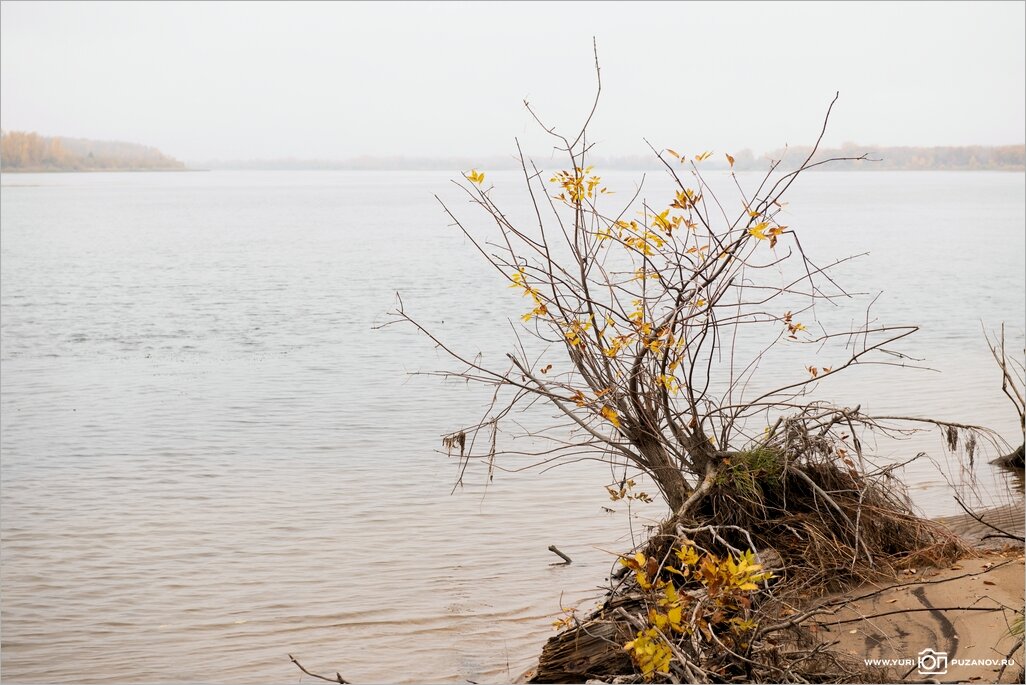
{"x": 729, "y": 574}
{"x": 642, "y": 274}
{"x": 578, "y": 185}
{"x": 645, "y": 335}
{"x": 610, "y": 415}
{"x": 663, "y": 221}
{"x": 637, "y": 318}
{"x": 650, "y": 652}
{"x": 793, "y": 327}
{"x": 668, "y": 613}
{"x": 640, "y": 238}
{"x": 606, "y": 411}
{"x": 670, "y": 383}
{"x": 667, "y": 223}
{"x": 728, "y": 583}
{"x": 646, "y": 242}
{"x": 568, "y": 618}
{"x": 518, "y": 280}
{"x": 575, "y": 332}
{"x": 764, "y": 231}
{"x": 620, "y": 226}
{"x": 645, "y": 569}
{"x": 618, "y": 343}
{"x": 687, "y": 556}
{"x": 683, "y": 199}
{"x": 540, "y": 310}
{"x": 475, "y": 176}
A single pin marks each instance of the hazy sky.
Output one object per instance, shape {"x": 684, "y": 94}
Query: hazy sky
{"x": 240, "y": 80}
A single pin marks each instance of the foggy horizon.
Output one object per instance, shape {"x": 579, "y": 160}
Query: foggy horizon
{"x": 344, "y": 81}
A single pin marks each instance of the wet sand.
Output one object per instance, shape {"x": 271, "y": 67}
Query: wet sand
{"x": 963, "y": 612}
{"x": 1008, "y": 517}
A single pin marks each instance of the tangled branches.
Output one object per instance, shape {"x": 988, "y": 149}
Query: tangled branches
{"x": 647, "y": 326}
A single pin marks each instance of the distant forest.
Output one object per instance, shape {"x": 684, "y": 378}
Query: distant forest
{"x": 20, "y": 151}
{"x": 967, "y": 158}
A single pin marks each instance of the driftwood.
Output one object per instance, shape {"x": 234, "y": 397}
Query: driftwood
{"x": 566, "y": 560}
{"x": 1012, "y": 460}
{"x": 592, "y": 650}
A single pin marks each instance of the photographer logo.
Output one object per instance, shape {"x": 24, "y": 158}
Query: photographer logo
{"x": 932, "y": 662}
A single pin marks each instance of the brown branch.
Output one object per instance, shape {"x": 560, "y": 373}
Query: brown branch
{"x": 337, "y": 679}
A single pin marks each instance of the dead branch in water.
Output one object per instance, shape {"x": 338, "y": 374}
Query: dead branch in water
{"x": 1013, "y": 385}
{"x": 337, "y": 679}
{"x": 566, "y": 559}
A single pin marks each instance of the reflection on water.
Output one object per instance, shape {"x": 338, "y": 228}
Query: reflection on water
{"x": 211, "y": 460}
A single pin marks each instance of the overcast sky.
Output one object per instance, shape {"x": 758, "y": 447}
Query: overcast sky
{"x": 328, "y": 81}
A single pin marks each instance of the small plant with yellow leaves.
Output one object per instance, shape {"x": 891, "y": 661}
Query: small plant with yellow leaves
{"x": 650, "y": 652}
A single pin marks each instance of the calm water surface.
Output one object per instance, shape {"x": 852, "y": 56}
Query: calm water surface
{"x": 210, "y": 459}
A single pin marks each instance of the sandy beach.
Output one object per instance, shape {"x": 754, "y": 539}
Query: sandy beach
{"x": 963, "y": 613}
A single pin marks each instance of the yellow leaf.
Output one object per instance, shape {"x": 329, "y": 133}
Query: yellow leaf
{"x": 610, "y": 415}
{"x": 759, "y": 230}
{"x": 730, "y": 160}
{"x": 674, "y": 153}
{"x": 476, "y": 176}
{"x": 662, "y": 221}
{"x": 702, "y": 157}
{"x": 687, "y": 555}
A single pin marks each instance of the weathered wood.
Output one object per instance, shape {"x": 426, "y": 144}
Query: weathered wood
{"x": 555, "y": 550}
{"x": 591, "y": 650}
{"x": 1012, "y": 460}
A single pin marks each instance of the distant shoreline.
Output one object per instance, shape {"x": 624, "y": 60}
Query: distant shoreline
{"x": 90, "y": 171}
{"x": 454, "y": 169}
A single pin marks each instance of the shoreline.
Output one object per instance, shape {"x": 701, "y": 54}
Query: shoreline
{"x": 88, "y": 171}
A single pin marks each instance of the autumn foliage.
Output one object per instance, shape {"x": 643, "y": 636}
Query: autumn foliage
{"x": 20, "y": 151}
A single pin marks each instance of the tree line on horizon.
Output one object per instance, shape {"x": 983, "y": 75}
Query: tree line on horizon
{"x": 29, "y": 151}
{"x": 880, "y": 158}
